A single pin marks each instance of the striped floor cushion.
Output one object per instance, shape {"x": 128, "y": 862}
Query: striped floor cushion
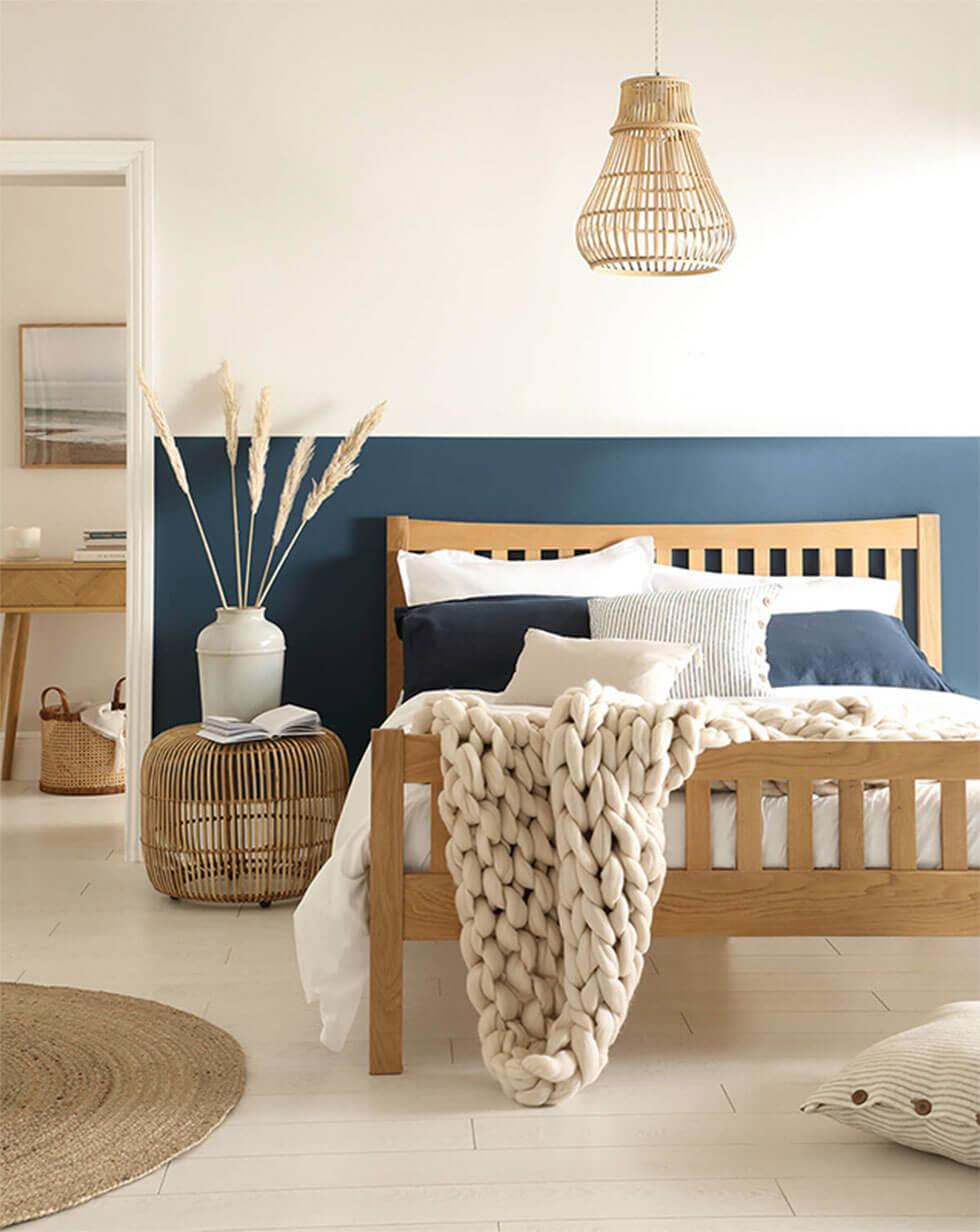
{"x": 920, "y": 1088}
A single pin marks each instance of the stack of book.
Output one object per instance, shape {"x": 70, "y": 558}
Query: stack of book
{"x": 101, "y": 545}
{"x": 270, "y": 725}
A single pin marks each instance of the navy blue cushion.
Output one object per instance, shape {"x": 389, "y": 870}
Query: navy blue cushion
{"x": 474, "y": 643}
{"x": 860, "y": 648}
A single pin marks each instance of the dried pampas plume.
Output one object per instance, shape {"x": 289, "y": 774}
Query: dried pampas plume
{"x": 341, "y": 466}
{"x": 165, "y": 434}
{"x": 177, "y": 466}
{"x": 232, "y": 411}
{"x": 343, "y": 463}
{"x": 295, "y": 474}
{"x": 259, "y": 449}
{"x": 300, "y": 464}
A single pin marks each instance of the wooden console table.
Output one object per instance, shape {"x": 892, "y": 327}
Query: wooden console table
{"x": 29, "y": 586}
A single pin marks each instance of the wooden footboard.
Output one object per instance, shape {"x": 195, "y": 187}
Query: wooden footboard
{"x": 697, "y": 899}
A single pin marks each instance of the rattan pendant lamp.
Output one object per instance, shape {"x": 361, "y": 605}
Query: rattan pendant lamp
{"x": 655, "y": 208}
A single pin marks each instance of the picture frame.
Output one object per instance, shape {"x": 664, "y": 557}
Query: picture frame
{"x": 72, "y": 394}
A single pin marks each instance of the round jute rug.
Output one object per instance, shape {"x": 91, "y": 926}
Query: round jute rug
{"x": 98, "y": 1089}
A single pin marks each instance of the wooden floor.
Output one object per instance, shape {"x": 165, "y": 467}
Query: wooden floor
{"x": 693, "y": 1128}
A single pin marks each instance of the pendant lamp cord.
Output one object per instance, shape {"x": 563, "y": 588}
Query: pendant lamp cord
{"x": 656, "y": 37}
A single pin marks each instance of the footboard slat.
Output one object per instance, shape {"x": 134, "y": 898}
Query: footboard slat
{"x": 697, "y": 824}
{"x": 748, "y": 825}
{"x": 422, "y": 765}
{"x": 851, "y": 823}
{"x": 901, "y": 824}
{"x": 800, "y": 823}
{"x": 953, "y": 825}
{"x": 437, "y": 833}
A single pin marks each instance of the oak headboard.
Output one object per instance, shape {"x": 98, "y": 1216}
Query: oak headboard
{"x": 533, "y": 541}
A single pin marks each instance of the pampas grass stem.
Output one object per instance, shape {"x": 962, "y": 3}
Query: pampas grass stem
{"x": 257, "y": 455}
{"x": 340, "y": 467}
{"x": 232, "y": 409}
{"x": 180, "y": 474}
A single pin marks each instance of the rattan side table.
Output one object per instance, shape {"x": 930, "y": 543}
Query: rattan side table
{"x": 239, "y": 823}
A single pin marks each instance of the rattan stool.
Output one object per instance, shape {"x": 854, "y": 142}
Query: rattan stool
{"x": 239, "y": 823}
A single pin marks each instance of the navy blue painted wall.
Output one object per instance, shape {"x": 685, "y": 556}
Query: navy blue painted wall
{"x": 329, "y": 599}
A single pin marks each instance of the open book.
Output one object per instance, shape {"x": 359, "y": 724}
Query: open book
{"x": 270, "y": 724}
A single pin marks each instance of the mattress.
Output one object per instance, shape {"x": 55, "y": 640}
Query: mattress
{"x": 774, "y": 855}
{"x": 331, "y": 921}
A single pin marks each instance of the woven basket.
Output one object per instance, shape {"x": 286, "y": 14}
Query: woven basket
{"x": 76, "y": 761}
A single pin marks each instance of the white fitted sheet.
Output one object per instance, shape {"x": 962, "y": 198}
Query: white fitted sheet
{"x": 331, "y": 921}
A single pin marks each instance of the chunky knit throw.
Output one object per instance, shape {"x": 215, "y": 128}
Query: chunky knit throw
{"x": 556, "y": 847}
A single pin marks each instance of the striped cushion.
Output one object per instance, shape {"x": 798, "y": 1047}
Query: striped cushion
{"x": 920, "y": 1088}
{"x": 728, "y": 624}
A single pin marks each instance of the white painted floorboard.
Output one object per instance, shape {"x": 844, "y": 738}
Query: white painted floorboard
{"x": 693, "y": 1128}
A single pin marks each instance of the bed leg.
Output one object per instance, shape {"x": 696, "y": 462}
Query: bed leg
{"x": 387, "y": 899}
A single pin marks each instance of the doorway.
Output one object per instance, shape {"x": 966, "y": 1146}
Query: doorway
{"x": 52, "y": 176}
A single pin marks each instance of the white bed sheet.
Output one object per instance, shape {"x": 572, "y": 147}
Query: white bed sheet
{"x": 331, "y": 921}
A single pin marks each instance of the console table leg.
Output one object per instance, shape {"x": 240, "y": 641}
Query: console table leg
{"x": 16, "y": 627}
{"x": 10, "y": 622}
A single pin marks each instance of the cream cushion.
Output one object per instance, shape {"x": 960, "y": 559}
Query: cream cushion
{"x": 550, "y": 664}
{"x": 920, "y": 1088}
{"x": 433, "y": 577}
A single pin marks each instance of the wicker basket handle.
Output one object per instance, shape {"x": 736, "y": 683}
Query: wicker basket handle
{"x": 117, "y": 701}
{"x": 65, "y": 708}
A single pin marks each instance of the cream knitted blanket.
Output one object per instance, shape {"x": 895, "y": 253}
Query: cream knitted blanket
{"x": 556, "y": 847}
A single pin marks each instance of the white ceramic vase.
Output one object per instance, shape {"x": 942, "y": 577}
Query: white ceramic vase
{"x": 240, "y": 660}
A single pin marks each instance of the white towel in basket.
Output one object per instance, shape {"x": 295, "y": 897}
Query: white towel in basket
{"x": 111, "y": 724}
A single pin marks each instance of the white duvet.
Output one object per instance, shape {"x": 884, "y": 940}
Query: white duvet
{"x": 331, "y": 922}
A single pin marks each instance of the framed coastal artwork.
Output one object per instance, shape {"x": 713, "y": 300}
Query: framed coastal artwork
{"x": 73, "y": 395}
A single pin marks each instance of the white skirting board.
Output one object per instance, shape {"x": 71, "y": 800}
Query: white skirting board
{"x": 27, "y": 757}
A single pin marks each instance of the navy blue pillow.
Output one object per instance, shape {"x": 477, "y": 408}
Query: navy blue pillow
{"x": 847, "y": 648}
{"x": 474, "y": 643}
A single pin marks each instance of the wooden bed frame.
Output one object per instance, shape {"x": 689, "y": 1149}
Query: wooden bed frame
{"x": 697, "y": 899}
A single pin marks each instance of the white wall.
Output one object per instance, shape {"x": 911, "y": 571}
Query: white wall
{"x": 368, "y": 198}
{"x": 63, "y": 257}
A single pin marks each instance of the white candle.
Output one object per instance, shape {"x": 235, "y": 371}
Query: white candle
{"x": 22, "y": 543}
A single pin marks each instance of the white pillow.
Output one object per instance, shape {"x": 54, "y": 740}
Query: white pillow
{"x": 797, "y": 594}
{"x": 431, "y": 577}
{"x": 920, "y": 1088}
{"x": 549, "y": 664}
{"x": 728, "y": 623}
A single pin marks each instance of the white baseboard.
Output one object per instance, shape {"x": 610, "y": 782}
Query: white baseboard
{"x": 27, "y": 757}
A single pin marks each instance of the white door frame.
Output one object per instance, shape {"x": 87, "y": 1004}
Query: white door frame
{"x": 134, "y": 161}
